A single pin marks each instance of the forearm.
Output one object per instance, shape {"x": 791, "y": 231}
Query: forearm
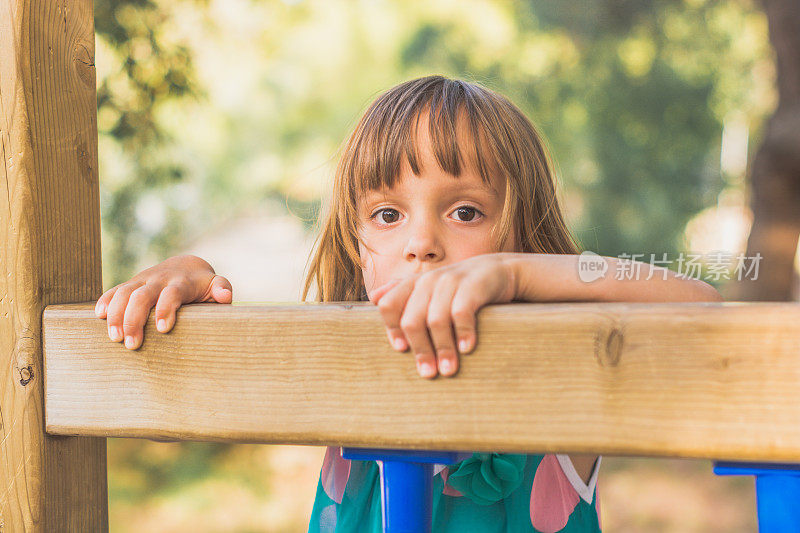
{"x": 556, "y": 278}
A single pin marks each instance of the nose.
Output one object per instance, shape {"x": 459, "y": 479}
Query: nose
{"x": 424, "y": 244}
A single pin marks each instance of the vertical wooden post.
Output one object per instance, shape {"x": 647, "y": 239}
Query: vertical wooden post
{"x": 49, "y": 253}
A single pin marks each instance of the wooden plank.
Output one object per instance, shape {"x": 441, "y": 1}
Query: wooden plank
{"x": 49, "y": 253}
{"x": 690, "y": 380}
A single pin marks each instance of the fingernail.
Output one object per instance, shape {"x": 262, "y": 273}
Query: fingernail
{"x": 445, "y": 366}
{"x": 399, "y": 344}
{"x": 129, "y": 342}
{"x": 116, "y": 334}
{"x": 99, "y": 309}
{"x": 425, "y": 369}
{"x": 161, "y": 324}
{"x": 463, "y": 345}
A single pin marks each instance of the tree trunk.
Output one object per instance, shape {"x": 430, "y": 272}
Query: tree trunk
{"x": 775, "y": 178}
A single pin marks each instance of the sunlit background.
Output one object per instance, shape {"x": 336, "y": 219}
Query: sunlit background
{"x": 219, "y": 124}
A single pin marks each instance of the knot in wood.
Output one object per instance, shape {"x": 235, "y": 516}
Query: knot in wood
{"x": 608, "y": 347}
{"x": 25, "y": 375}
{"x": 83, "y": 59}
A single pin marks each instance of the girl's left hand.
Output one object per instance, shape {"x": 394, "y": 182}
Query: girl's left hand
{"x": 429, "y": 312}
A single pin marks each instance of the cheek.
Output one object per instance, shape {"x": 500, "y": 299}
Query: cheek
{"x": 478, "y": 245}
{"x": 368, "y": 270}
{"x": 365, "y": 255}
{"x": 379, "y": 264}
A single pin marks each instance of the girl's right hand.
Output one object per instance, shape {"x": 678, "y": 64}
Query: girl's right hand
{"x": 168, "y": 285}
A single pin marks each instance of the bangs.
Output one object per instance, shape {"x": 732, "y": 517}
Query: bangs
{"x": 390, "y": 134}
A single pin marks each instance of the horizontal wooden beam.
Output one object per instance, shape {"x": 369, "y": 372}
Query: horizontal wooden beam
{"x": 703, "y": 380}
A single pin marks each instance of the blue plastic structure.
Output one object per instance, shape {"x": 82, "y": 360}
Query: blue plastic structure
{"x": 407, "y": 488}
{"x": 406, "y": 485}
{"x": 777, "y": 492}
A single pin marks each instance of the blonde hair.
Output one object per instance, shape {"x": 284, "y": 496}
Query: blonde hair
{"x": 503, "y": 140}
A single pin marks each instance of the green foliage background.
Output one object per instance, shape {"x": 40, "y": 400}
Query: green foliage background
{"x": 207, "y": 108}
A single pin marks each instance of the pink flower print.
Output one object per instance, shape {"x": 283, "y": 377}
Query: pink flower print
{"x": 447, "y": 489}
{"x": 335, "y": 472}
{"x": 553, "y": 497}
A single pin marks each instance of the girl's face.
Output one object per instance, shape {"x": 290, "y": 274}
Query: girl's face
{"x": 427, "y": 221}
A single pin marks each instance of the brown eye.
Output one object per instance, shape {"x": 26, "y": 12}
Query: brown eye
{"x": 466, "y": 213}
{"x": 386, "y": 215}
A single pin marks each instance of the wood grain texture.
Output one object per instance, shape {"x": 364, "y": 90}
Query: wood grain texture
{"x": 49, "y": 253}
{"x": 704, "y": 380}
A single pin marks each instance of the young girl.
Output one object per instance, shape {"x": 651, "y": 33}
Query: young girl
{"x": 443, "y": 201}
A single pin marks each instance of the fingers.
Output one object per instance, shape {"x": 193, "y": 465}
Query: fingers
{"x": 101, "y": 307}
{"x": 116, "y": 310}
{"x": 140, "y": 302}
{"x": 221, "y": 290}
{"x": 440, "y": 325}
{"x": 214, "y": 289}
{"x": 463, "y": 310}
{"x": 418, "y": 310}
{"x": 391, "y": 305}
{"x": 378, "y": 293}
{"x": 415, "y": 327}
{"x": 167, "y": 286}
{"x": 170, "y": 299}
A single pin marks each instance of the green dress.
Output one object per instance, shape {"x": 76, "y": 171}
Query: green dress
{"x": 482, "y": 493}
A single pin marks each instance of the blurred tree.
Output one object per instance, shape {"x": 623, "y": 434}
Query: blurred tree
{"x": 151, "y": 70}
{"x": 775, "y": 178}
{"x": 631, "y": 96}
